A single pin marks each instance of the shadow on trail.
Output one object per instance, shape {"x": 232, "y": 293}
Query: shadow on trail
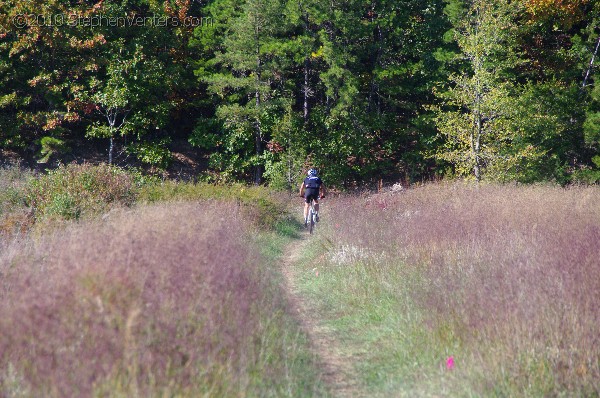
{"x": 290, "y": 228}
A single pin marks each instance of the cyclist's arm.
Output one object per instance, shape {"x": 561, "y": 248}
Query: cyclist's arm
{"x": 302, "y": 189}
{"x": 323, "y": 190}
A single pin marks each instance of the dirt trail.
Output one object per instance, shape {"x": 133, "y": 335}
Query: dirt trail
{"x": 336, "y": 367}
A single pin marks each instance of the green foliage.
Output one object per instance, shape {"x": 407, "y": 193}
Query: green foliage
{"x": 128, "y": 102}
{"x": 74, "y": 191}
{"x": 51, "y": 146}
{"x": 152, "y": 153}
{"x": 591, "y": 133}
{"x": 591, "y": 127}
{"x": 355, "y": 86}
{"x": 13, "y": 180}
{"x": 546, "y": 118}
{"x": 247, "y": 72}
{"x": 263, "y": 206}
{"x": 347, "y": 77}
{"x": 484, "y": 111}
{"x": 589, "y": 175}
{"x": 287, "y": 159}
{"x": 206, "y": 134}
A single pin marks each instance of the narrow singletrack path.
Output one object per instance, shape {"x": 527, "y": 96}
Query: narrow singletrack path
{"x": 336, "y": 367}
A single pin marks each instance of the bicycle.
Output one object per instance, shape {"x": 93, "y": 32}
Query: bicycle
{"x": 312, "y": 216}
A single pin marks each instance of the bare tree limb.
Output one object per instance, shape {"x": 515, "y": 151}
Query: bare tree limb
{"x": 589, "y": 69}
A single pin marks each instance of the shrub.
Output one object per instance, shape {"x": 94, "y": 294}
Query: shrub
{"x": 51, "y": 146}
{"x": 262, "y": 206}
{"x": 12, "y": 182}
{"x": 72, "y": 191}
{"x": 152, "y": 153}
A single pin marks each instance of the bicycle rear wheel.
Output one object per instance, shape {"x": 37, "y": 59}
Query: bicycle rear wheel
{"x": 311, "y": 217}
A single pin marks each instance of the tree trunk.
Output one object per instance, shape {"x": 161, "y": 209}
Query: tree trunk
{"x": 257, "y": 127}
{"x": 374, "y": 90}
{"x": 306, "y": 90}
{"x": 110, "y": 150}
{"x": 587, "y": 73}
{"x": 258, "y": 142}
{"x": 476, "y": 150}
{"x": 258, "y": 171}
{"x": 289, "y": 172}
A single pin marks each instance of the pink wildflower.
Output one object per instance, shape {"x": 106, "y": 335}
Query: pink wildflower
{"x": 450, "y": 362}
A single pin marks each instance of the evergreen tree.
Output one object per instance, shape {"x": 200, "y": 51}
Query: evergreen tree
{"x": 249, "y": 77}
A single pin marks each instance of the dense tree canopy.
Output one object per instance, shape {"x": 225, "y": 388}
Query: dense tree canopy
{"x": 364, "y": 90}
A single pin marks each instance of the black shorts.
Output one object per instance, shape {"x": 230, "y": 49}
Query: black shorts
{"x": 310, "y": 194}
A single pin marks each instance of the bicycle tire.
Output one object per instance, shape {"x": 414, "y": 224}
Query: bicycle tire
{"x": 311, "y": 216}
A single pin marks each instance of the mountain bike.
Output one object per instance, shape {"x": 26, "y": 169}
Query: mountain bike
{"x": 312, "y": 217}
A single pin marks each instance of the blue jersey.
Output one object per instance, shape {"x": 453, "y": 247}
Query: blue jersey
{"x": 312, "y": 183}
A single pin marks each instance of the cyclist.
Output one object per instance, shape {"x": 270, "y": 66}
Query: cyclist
{"x": 312, "y": 188}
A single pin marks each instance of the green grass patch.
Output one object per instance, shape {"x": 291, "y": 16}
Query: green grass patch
{"x": 288, "y": 346}
{"x": 263, "y": 206}
{"x": 375, "y": 320}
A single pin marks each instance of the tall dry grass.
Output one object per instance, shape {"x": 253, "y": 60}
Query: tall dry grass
{"x": 15, "y": 218}
{"x": 505, "y": 278}
{"x": 159, "y": 301}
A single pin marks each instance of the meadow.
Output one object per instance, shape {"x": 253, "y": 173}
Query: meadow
{"x": 453, "y": 289}
{"x": 116, "y": 284}
{"x": 108, "y": 294}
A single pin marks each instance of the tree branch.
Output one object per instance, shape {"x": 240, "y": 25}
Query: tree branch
{"x": 589, "y": 69}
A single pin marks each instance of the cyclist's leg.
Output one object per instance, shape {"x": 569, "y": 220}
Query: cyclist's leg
{"x": 306, "y": 206}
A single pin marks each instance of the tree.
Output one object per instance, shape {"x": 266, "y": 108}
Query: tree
{"x": 113, "y": 100}
{"x": 376, "y": 64}
{"x": 38, "y": 63}
{"x": 249, "y": 77}
{"x": 476, "y": 108}
{"x": 128, "y": 94}
{"x": 58, "y": 74}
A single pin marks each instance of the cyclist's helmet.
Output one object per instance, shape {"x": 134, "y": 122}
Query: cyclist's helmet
{"x": 313, "y": 173}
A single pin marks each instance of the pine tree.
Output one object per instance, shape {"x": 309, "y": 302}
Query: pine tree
{"x": 249, "y": 76}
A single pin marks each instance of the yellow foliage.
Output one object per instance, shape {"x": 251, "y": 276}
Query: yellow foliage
{"x": 318, "y": 53}
{"x": 568, "y": 11}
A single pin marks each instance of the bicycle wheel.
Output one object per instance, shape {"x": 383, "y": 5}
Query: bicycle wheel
{"x": 311, "y": 217}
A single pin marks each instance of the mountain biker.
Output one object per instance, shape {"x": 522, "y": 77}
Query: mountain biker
{"x": 312, "y": 188}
